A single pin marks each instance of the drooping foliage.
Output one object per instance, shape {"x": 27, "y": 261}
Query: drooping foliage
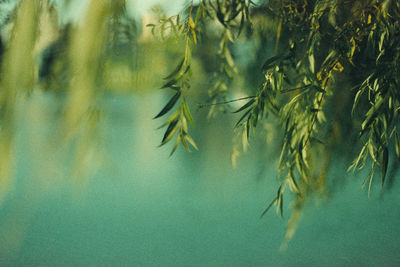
{"x": 40, "y": 52}
{"x": 320, "y": 76}
{"x": 331, "y": 84}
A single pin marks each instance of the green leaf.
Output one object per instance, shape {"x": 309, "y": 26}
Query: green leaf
{"x": 229, "y": 59}
{"x": 170, "y": 132}
{"x": 279, "y": 201}
{"x": 184, "y": 143}
{"x": 314, "y": 139}
{"x": 371, "y": 177}
{"x": 372, "y": 114}
{"x": 371, "y": 149}
{"x": 331, "y": 55}
{"x": 190, "y": 140}
{"x": 198, "y": 13}
{"x": 319, "y": 89}
{"x": 248, "y": 104}
{"x": 248, "y": 127}
{"x": 268, "y": 207}
{"x": 220, "y": 16}
{"x": 169, "y": 105}
{"x": 178, "y": 140}
{"x": 172, "y": 118}
{"x": 241, "y": 25}
{"x": 171, "y": 83}
{"x": 397, "y": 145}
{"x": 385, "y": 161}
{"x": 192, "y": 27}
{"x": 269, "y": 63}
{"x": 360, "y": 156}
{"x": 356, "y": 100}
{"x": 312, "y": 62}
{"x": 241, "y": 118}
{"x": 293, "y": 183}
{"x": 176, "y": 70}
{"x": 186, "y": 112}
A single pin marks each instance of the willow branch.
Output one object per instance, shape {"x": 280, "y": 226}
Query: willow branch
{"x": 226, "y": 102}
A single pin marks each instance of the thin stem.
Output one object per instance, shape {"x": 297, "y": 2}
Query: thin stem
{"x": 293, "y": 89}
{"x": 226, "y": 102}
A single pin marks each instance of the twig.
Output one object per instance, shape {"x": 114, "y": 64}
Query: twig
{"x": 226, "y": 102}
{"x": 294, "y": 89}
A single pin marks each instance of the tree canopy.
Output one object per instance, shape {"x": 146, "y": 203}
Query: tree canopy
{"x": 319, "y": 76}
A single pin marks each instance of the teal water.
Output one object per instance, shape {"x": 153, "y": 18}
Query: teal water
{"x": 142, "y": 208}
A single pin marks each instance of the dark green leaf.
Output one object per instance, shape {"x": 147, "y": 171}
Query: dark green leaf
{"x": 317, "y": 140}
{"x": 319, "y": 89}
{"x": 170, "y": 84}
{"x": 248, "y": 104}
{"x": 356, "y": 99}
{"x": 198, "y": 13}
{"x": 268, "y": 207}
{"x": 241, "y": 118}
{"x": 172, "y": 118}
{"x": 220, "y": 15}
{"x": 269, "y": 63}
{"x": 176, "y": 70}
{"x": 248, "y": 127}
{"x": 170, "y": 132}
{"x": 241, "y": 25}
{"x": 169, "y": 105}
{"x": 385, "y": 160}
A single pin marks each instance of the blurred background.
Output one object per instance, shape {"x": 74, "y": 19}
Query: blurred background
{"x": 86, "y": 183}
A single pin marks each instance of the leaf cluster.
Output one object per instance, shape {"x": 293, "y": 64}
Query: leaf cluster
{"x": 334, "y": 77}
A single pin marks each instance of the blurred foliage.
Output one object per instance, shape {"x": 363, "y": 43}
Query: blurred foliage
{"x": 77, "y": 62}
{"x": 331, "y": 85}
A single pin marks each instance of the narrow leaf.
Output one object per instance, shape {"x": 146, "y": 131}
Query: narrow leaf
{"x": 241, "y": 25}
{"x": 319, "y": 89}
{"x": 312, "y": 62}
{"x": 169, "y": 105}
{"x": 248, "y": 104}
{"x": 190, "y": 140}
{"x": 170, "y": 132}
{"x": 172, "y": 118}
{"x": 397, "y": 145}
{"x": 186, "y": 112}
{"x": 268, "y": 207}
{"x": 356, "y": 99}
{"x": 176, "y": 70}
{"x": 241, "y": 118}
{"x": 269, "y": 63}
{"x": 175, "y": 146}
{"x": 385, "y": 161}
{"x": 185, "y": 145}
{"x": 171, "y": 83}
